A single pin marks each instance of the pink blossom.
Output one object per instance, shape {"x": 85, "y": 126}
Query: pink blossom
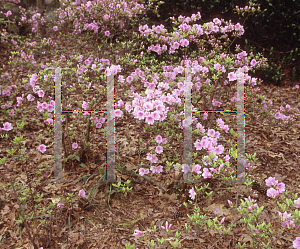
{"x": 278, "y": 115}
{"x": 137, "y": 233}
{"x": 157, "y": 169}
{"x": 166, "y": 227}
{"x": 7, "y": 126}
{"x": 175, "y": 45}
{"x": 49, "y": 121}
{"x": 44, "y": 105}
{"x": 129, "y": 79}
{"x": 30, "y": 97}
{"x": 159, "y": 149}
{"x": 296, "y": 243}
{"x": 158, "y": 139}
{"x": 211, "y": 132}
{"x": 271, "y": 181}
{"x": 55, "y": 28}
{"x": 49, "y": 108}
{"x": 281, "y": 187}
{"x": 232, "y": 76}
{"x": 143, "y": 171}
{"x": 148, "y": 106}
{"x": 120, "y": 103}
{"x": 196, "y": 169}
{"x": 33, "y": 80}
{"x": 229, "y": 202}
{"x": 107, "y": 33}
{"x": 297, "y": 203}
{"x": 60, "y": 205}
{"x": 221, "y": 166}
{"x": 74, "y": 145}
{"x": 206, "y": 173}
{"x": 118, "y": 113}
{"x": 184, "y": 43}
{"x": 187, "y": 122}
{"x": 40, "y": 107}
{"x": 157, "y": 29}
{"x": 219, "y": 150}
{"x": 41, "y": 148}
{"x": 272, "y": 192}
{"x": 185, "y": 168}
{"x": 107, "y": 71}
{"x": 284, "y": 216}
{"x": 150, "y": 119}
{"x": 85, "y": 105}
{"x": 198, "y": 145}
{"x": 192, "y": 193}
{"x": 82, "y": 193}
{"x": 288, "y": 224}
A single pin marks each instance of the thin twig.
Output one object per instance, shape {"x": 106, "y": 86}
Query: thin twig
{"x": 214, "y": 243}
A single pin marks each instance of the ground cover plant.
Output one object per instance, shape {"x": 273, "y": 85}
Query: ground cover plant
{"x": 147, "y": 209}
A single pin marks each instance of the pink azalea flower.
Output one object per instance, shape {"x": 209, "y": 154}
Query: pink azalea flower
{"x": 211, "y": 132}
{"x": 271, "y": 181}
{"x": 232, "y": 76}
{"x": 7, "y": 126}
{"x": 84, "y": 105}
{"x": 143, "y": 171}
{"x": 164, "y": 141}
{"x": 297, "y": 202}
{"x": 205, "y": 116}
{"x": 49, "y": 108}
{"x": 41, "y": 93}
{"x": 157, "y": 169}
{"x": 167, "y": 227}
{"x": 284, "y": 216}
{"x": 158, "y": 139}
{"x": 196, "y": 169}
{"x": 272, "y": 192}
{"x": 41, "y": 148}
{"x": 129, "y": 79}
{"x": 150, "y": 119}
{"x": 187, "y": 122}
{"x": 206, "y": 173}
{"x": 296, "y": 243}
{"x": 82, "y": 193}
{"x": 118, "y": 113}
{"x": 74, "y": 146}
{"x": 198, "y": 145}
{"x": 60, "y": 205}
{"x": 137, "y": 233}
{"x": 159, "y": 149}
{"x": 185, "y": 168}
{"x": 192, "y": 193}
{"x": 281, "y": 187}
